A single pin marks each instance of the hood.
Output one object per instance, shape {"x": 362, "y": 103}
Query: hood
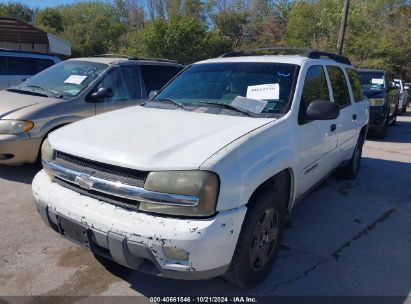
{"x": 152, "y": 139}
{"x": 11, "y": 102}
{"x": 374, "y": 93}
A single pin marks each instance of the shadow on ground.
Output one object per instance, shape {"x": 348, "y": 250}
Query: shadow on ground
{"x": 22, "y": 174}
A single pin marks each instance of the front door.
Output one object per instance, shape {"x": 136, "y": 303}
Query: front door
{"x": 124, "y": 82}
{"x": 317, "y": 138}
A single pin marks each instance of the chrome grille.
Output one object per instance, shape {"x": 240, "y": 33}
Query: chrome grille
{"x": 101, "y": 167}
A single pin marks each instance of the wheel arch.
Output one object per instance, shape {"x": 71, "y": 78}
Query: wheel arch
{"x": 282, "y": 181}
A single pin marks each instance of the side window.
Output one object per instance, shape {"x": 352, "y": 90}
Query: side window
{"x": 156, "y": 76}
{"x": 17, "y": 66}
{"x": 132, "y": 81}
{"x": 339, "y": 86}
{"x": 3, "y": 66}
{"x": 38, "y": 64}
{"x": 355, "y": 84}
{"x": 315, "y": 88}
{"x": 115, "y": 82}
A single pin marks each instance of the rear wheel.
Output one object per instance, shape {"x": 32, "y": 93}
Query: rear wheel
{"x": 259, "y": 240}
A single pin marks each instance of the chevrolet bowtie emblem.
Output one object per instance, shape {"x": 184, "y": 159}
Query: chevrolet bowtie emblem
{"x": 84, "y": 181}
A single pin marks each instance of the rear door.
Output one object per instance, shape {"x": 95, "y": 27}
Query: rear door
{"x": 124, "y": 81}
{"x": 346, "y": 122}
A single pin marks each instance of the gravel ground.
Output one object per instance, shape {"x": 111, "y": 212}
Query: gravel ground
{"x": 345, "y": 239}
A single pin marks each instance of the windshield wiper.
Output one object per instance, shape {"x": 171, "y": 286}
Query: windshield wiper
{"x": 169, "y": 100}
{"x": 228, "y": 106}
{"x": 56, "y": 94}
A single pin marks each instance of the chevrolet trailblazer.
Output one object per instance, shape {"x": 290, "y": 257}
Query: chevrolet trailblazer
{"x": 196, "y": 182}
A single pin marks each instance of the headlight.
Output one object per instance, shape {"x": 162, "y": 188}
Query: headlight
{"x": 15, "y": 126}
{"x": 376, "y": 101}
{"x": 47, "y": 152}
{"x": 202, "y": 184}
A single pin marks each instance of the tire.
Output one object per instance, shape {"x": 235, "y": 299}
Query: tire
{"x": 394, "y": 121}
{"x": 351, "y": 170}
{"x": 381, "y": 133}
{"x": 259, "y": 240}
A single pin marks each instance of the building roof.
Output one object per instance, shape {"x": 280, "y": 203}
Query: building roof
{"x": 19, "y": 33}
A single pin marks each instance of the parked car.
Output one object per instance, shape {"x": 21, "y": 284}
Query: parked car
{"x": 196, "y": 183}
{"x": 69, "y": 91}
{"x": 403, "y": 95}
{"x": 17, "y": 66}
{"x": 383, "y": 96}
{"x": 407, "y": 87}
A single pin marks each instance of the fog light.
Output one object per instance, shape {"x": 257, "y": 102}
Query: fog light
{"x": 174, "y": 253}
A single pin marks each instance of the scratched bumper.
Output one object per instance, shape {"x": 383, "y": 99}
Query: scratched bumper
{"x": 138, "y": 240}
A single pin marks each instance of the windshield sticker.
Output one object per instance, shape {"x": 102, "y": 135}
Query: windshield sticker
{"x": 264, "y": 91}
{"x": 75, "y": 79}
{"x": 377, "y": 81}
{"x": 252, "y": 105}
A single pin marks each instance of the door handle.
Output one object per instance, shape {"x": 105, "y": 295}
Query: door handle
{"x": 333, "y": 127}
{"x": 354, "y": 117}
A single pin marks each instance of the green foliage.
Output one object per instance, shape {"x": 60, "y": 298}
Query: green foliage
{"x": 91, "y": 27}
{"x": 180, "y": 37}
{"x": 378, "y": 32}
{"x": 17, "y": 10}
{"x": 49, "y": 20}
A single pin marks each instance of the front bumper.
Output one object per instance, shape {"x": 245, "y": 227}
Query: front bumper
{"x": 139, "y": 240}
{"x": 378, "y": 117}
{"x": 18, "y": 149}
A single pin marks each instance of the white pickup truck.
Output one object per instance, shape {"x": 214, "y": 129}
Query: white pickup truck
{"x": 196, "y": 183}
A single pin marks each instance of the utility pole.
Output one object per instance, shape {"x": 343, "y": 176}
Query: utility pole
{"x": 343, "y": 25}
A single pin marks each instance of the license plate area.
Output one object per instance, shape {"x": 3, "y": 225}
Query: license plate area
{"x": 73, "y": 231}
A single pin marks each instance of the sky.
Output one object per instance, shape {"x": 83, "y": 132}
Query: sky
{"x": 42, "y": 3}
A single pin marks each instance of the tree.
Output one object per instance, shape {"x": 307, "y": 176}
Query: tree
{"x": 50, "y": 20}
{"x": 181, "y": 38}
{"x": 17, "y": 10}
{"x": 91, "y": 27}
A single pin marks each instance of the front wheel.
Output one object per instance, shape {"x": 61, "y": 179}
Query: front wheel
{"x": 259, "y": 241}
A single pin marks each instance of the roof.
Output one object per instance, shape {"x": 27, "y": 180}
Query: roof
{"x": 22, "y": 53}
{"x": 370, "y": 70}
{"x": 290, "y": 59}
{"x": 114, "y": 59}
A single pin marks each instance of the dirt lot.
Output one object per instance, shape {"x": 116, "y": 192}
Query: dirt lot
{"x": 346, "y": 238}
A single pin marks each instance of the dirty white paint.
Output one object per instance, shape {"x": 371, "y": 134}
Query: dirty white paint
{"x": 209, "y": 242}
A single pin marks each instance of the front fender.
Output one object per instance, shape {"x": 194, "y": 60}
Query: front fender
{"x": 251, "y": 160}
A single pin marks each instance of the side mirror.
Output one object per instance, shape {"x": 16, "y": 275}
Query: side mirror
{"x": 322, "y": 110}
{"x": 152, "y": 94}
{"x": 392, "y": 85}
{"x": 102, "y": 93}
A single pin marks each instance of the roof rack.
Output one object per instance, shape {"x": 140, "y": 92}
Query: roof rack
{"x": 267, "y": 51}
{"x": 313, "y": 54}
{"x": 112, "y": 55}
{"x": 154, "y": 59}
{"x": 305, "y": 52}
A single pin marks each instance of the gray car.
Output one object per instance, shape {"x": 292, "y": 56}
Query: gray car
{"x": 69, "y": 91}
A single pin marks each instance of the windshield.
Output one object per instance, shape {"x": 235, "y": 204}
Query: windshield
{"x": 254, "y": 87}
{"x": 371, "y": 80}
{"x": 67, "y": 78}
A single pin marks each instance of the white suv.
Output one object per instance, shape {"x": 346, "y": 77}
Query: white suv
{"x": 196, "y": 183}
